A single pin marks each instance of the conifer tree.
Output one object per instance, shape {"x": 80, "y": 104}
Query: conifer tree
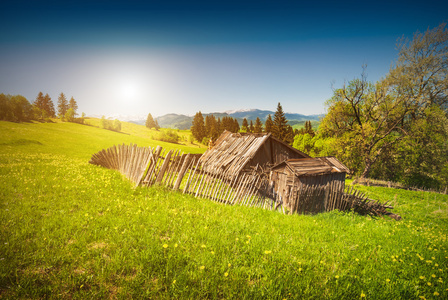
{"x": 73, "y": 105}
{"x": 268, "y": 125}
{"x": 49, "y": 106}
{"x": 251, "y": 127}
{"x": 258, "y": 128}
{"x": 236, "y": 126}
{"x": 280, "y": 128}
{"x": 39, "y": 105}
{"x": 62, "y": 105}
{"x": 245, "y": 126}
{"x": 150, "y": 123}
{"x": 198, "y": 127}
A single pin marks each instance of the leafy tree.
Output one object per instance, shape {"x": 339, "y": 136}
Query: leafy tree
{"x": 268, "y": 125}
{"x": 366, "y": 118}
{"x": 70, "y": 115}
{"x": 73, "y": 105}
{"x": 117, "y": 125}
{"x": 198, "y": 127}
{"x": 150, "y": 123}
{"x": 5, "y": 108}
{"x": 258, "y": 128}
{"x": 62, "y": 105}
{"x": 420, "y": 74}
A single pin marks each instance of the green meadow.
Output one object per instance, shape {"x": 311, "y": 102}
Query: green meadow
{"x": 71, "y": 230}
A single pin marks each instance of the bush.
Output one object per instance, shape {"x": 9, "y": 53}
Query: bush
{"x": 169, "y": 136}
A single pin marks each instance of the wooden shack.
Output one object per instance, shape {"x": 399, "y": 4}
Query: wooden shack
{"x": 292, "y": 177}
{"x": 236, "y": 153}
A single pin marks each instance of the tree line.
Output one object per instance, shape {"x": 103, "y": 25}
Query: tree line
{"x": 18, "y": 109}
{"x": 396, "y": 128}
{"x": 211, "y": 128}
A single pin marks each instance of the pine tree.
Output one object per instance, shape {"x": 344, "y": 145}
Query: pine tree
{"x": 198, "y": 127}
{"x": 49, "y": 106}
{"x": 39, "y": 105}
{"x": 157, "y": 124}
{"x": 280, "y": 126}
{"x": 150, "y": 123}
{"x": 245, "y": 126}
{"x": 268, "y": 125}
{"x": 219, "y": 126}
{"x": 251, "y": 127}
{"x": 73, "y": 105}
{"x": 62, "y": 105}
{"x": 235, "y": 126}
{"x": 258, "y": 128}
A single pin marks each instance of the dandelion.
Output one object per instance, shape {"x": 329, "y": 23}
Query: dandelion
{"x": 363, "y": 295}
{"x": 175, "y": 245}
{"x": 357, "y": 259}
{"x": 436, "y": 294}
{"x": 300, "y": 269}
{"x": 165, "y": 246}
{"x": 247, "y": 242}
{"x": 202, "y": 267}
{"x": 226, "y": 274}
{"x": 229, "y": 265}
{"x": 422, "y": 297}
{"x": 248, "y": 236}
{"x": 174, "y": 281}
{"x": 337, "y": 276}
{"x": 202, "y": 246}
{"x": 422, "y": 277}
{"x": 433, "y": 275}
{"x": 428, "y": 283}
{"x": 267, "y": 252}
{"x": 212, "y": 252}
{"x": 387, "y": 280}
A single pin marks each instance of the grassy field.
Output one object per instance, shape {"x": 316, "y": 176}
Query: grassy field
{"x": 69, "y": 229}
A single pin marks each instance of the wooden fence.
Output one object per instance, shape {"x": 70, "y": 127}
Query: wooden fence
{"x": 146, "y": 166}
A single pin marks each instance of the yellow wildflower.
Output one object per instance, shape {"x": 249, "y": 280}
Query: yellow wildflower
{"x": 202, "y": 267}
{"x": 267, "y": 252}
{"x": 165, "y": 246}
{"x": 226, "y": 274}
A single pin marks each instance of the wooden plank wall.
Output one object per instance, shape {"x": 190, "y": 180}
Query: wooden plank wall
{"x": 147, "y": 166}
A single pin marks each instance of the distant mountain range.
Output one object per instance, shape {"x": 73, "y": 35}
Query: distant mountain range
{"x": 178, "y": 121}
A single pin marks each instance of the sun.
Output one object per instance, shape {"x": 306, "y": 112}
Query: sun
{"x": 128, "y": 90}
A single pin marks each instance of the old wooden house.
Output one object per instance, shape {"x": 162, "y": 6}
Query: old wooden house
{"x": 236, "y": 153}
{"x": 294, "y": 176}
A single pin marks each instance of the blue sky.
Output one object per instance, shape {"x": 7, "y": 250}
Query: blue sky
{"x": 136, "y": 57}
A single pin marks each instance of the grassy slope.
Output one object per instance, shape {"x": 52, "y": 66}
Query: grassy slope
{"x": 72, "y": 230}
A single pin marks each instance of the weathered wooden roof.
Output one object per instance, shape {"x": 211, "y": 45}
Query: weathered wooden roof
{"x": 313, "y": 166}
{"x": 233, "y": 151}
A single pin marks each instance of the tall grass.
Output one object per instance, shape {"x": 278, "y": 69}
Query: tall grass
{"x": 73, "y": 230}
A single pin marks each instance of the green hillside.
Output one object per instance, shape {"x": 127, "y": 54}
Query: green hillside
{"x": 69, "y": 229}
